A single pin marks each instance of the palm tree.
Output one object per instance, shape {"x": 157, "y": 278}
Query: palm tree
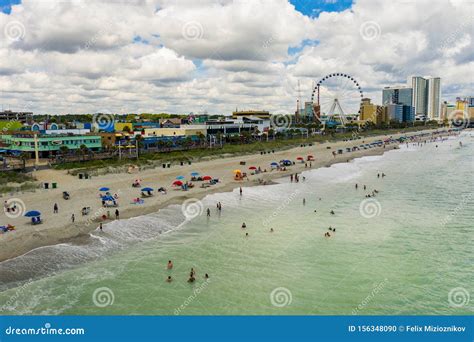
{"x": 83, "y": 151}
{"x": 24, "y": 156}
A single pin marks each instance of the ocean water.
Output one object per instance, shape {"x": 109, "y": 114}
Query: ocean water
{"x": 409, "y": 250}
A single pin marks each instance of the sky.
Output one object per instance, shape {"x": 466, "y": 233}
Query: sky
{"x": 182, "y": 56}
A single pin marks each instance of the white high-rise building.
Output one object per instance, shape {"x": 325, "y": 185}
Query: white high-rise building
{"x": 420, "y": 94}
{"x": 434, "y": 98}
{"x": 426, "y": 97}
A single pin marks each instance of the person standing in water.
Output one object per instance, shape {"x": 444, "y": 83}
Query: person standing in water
{"x": 170, "y": 265}
{"x": 208, "y": 212}
{"x": 304, "y": 201}
{"x": 240, "y": 191}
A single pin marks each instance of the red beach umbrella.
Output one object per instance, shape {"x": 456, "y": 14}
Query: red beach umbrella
{"x": 300, "y": 158}
{"x": 177, "y": 183}
{"x": 252, "y": 168}
{"x": 206, "y": 178}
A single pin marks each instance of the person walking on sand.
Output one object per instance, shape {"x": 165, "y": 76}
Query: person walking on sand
{"x": 100, "y": 226}
{"x": 357, "y": 186}
{"x": 117, "y": 214}
{"x": 73, "y": 218}
{"x": 240, "y": 190}
{"x": 208, "y": 212}
{"x": 55, "y": 208}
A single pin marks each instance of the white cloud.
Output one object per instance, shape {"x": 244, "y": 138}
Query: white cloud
{"x": 182, "y": 56}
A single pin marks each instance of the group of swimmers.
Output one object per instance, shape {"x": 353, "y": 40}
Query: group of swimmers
{"x": 192, "y": 274}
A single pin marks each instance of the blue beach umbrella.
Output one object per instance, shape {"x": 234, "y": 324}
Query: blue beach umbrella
{"x": 194, "y": 174}
{"x": 274, "y": 163}
{"x": 180, "y": 177}
{"x": 104, "y": 189}
{"x": 33, "y": 213}
{"x": 108, "y": 198}
{"x": 147, "y": 189}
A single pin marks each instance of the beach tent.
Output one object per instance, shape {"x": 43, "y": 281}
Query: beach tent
{"x": 177, "y": 183}
{"x": 104, "y": 189}
{"x": 32, "y": 213}
{"x": 108, "y": 198}
{"x": 206, "y": 178}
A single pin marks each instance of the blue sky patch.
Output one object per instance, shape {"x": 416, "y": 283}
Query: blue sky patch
{"x": 312, "y": 8}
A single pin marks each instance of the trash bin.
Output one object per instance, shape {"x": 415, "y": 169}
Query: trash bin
{"x": 54, "y": 185}
{"x": 81, "y": 176}
{"x": 46, "y": 185}
{"x": 164, "y": 166}
{"x": 86, "y": 176}
{"x": 169, "y": 165}
{"x": 189, "y": 162}
{"x": 181, "y": 163}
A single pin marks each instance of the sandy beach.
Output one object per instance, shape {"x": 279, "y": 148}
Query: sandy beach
{"x": 57, "y": 228}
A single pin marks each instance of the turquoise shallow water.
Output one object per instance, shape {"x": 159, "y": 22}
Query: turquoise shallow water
{"x": 409, "y": 251}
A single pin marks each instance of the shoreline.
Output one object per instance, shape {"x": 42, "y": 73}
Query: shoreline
{"x": 22, "y": 241}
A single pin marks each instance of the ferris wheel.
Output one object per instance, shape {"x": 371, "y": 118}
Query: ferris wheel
{"x": 336, "y": 96}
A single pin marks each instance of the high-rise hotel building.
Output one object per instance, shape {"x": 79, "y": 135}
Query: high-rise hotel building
{"x": 427, "y": 96}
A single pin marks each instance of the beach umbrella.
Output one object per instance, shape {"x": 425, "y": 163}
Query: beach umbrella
{"x": 237, "y": 171}
{"x": 252, "y": 168}
{"x": 310, "y": 156}
{"x": 147, "y": 189}
{"x": 300, "y": 158}
{"x": 274, "y": 164}
{"x": 194, "y": 174}
{"x": 108, "y": 198}
{"x": 177, "y": 183}
{"x": 104, "y": 189}
{"x": 206, "y": 178}
{"x": 32, "y": 213}
{"x": 180, "y": 177}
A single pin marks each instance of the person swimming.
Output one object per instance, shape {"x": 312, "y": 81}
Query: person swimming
{"x": 191, "y": 279}
{"x": 244, "y": 225}
{"x": 332, "y": 212}
{"x": 206, "y": 276}
{"x": 169, "y": 279}
{"x": 271, "y": 230}
{"x": 246, "y": 234}
{"x": 192, "y": 273}
{"x": 170, "y": 265}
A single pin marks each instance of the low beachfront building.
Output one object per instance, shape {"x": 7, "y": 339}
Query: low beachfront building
{"x": 48, "y": 145}
{"x": 183, "y": 130}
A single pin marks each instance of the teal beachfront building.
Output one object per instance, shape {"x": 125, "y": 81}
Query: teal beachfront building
{"x": 48, "y": 145}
